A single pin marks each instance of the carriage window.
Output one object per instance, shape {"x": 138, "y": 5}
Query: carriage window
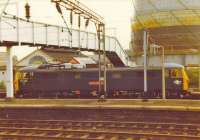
{"x": 77, "y": 76}
{"x": 116, "y": 76}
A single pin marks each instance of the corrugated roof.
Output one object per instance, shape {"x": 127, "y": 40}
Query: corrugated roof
{"x": 61, "y": 55}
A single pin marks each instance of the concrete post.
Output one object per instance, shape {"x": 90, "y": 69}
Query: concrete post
{"x": 9, "y": 73}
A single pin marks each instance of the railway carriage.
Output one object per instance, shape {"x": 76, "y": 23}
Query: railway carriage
{"x": 83, "y": 83}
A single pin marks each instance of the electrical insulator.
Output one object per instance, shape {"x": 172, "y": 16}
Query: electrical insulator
{"x": 87, "y": 22}
{"x": 58, "y": 8}
{"x": 27, "y": 11}
{"x": 79, "y": 20}
{"x": 71, "y": 17}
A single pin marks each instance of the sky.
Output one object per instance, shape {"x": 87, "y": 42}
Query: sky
{"x": 117, "y": 15}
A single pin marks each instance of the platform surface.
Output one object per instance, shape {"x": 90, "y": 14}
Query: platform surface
{"x": 179, "y": 105}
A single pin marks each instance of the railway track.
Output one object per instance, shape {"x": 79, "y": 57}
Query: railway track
{"x": 95, "y": 130}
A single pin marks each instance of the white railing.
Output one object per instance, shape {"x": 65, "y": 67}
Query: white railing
{"x": 22, "y": 31}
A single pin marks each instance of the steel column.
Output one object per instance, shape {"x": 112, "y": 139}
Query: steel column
{"x": 46, "y": 34}
{"x": 99, "y": 57}
{"x": 33, "y": 33}
{"x": 104, "y": 59}
{"x": 145, "y": 60}
{"x": 58, "y": 36}
{"x": 18, "y": 26}
{"x": 101, "y": 43}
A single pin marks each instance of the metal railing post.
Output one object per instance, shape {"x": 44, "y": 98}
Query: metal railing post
{"x": 145, "y": 60}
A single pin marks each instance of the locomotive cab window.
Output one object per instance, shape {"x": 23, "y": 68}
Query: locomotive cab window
{"x": 175, "y": 73}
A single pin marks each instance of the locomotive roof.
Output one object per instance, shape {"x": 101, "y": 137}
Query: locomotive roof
{"x": 138, "y": 68}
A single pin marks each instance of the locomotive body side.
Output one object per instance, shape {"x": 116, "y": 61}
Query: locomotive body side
{"x": 120, "y": 82}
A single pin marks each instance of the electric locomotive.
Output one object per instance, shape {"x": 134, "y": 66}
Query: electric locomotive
{"x": 47, "y": 82}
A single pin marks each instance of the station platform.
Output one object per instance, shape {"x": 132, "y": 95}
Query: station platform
{"x": 137, "y": 104}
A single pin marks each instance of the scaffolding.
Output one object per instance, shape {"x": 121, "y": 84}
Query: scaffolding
{"x": 174, "y": 24}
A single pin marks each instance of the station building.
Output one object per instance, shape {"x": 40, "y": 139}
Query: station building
{"x": 58, "y": 56}
{"x": 44, "y": 56}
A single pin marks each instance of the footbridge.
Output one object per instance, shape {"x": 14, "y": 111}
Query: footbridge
{"x": 15, "y": 31}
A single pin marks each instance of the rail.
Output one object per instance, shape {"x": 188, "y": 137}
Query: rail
{"x": 95, "y": 130}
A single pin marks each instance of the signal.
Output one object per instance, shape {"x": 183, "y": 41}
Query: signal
{"x": 87, "y": 22}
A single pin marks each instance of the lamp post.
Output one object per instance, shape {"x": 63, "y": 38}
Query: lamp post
{"x": 163, "y": 70}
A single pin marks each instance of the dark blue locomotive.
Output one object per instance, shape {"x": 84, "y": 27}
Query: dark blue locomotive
{"x": 83, "y": 83}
